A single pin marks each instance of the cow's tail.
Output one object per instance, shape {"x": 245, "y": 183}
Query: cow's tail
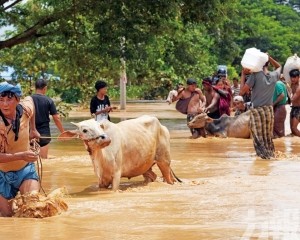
{"x": 178, "y": 179}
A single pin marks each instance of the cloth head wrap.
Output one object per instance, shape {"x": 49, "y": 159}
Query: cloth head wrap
{"x": 207, "y": 82}
{"x": 5, "y": 86}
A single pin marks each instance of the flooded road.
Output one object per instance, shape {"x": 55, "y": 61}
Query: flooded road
{"x": 227, "y": 193}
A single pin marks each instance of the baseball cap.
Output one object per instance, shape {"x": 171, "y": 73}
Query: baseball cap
{"x": 222, "y": 72}
{"x": 238, "y": 99}
{"x": 191, "y": 81}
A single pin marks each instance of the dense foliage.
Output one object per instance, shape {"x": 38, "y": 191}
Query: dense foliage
{"x": 163, "y": 42}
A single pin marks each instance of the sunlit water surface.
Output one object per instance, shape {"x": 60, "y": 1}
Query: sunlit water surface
{"x": 227, "y": 193}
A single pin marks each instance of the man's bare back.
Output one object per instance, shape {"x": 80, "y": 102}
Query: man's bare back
{"x": 197, "y": 99}
{"x": 197, "y": 102}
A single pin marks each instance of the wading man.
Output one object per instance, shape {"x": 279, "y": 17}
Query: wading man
{"x": 44, "y": 106}
{"x": 295, "y": 111}
{"x": 17, "y": 170}
{"x": 190, "y": 101}
{"x": 262, "y": 84}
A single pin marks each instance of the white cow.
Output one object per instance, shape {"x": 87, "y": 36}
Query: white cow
{"x": 127, "y": 149}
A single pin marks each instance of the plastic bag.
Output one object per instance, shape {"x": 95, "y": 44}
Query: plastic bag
{"x": 291, "y": 63}
{"x": 254, "y": 59}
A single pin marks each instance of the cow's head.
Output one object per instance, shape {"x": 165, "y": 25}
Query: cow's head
{"x": 199, "y": 121}
{"x": 88, "y": 131}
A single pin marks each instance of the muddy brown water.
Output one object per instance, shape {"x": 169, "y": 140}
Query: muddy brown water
{"x": 227, "y": 193}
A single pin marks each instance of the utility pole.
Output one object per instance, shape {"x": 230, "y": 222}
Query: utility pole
{"x": 123, "y": 77}
{"x": 30, "y": 84}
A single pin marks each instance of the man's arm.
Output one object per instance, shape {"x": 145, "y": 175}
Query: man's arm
{"x": 244, "y": 88}
{"x": 33, "y": 133}
{"x": 213, "y": 103}
{"x": 56, "y": 119}
{"x": 296, "y": 96}
{"x": 201, "y": 97}
{"x": 279, "y": 98}
{"x": 27, "y": 156}
{"x": 274, "y": 63}
{"x": 179, "y": 95}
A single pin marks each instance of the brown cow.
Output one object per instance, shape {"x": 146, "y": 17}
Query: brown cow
{"x": 225, "y": 126}
{"x": 126, "y": 149}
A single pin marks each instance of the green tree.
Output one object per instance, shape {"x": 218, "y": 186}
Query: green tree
{"x": 266, "y": 26}
{"x": 165, "y": 41}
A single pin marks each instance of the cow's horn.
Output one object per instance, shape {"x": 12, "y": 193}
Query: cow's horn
{"x": 76, "y": 124}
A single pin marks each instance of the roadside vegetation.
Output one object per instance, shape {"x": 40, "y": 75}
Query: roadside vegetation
{"x": 163, "y": 42}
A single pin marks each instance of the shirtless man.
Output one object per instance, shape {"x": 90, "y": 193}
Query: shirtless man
{"x": 295, "y": 111}
{"x": 212, "y": 99}
{"x": 191, "y": 101}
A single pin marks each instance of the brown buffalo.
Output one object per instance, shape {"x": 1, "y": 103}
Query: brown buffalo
{"x": 225, "y": 126}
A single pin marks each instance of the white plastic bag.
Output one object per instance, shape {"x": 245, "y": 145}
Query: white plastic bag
{"x": 291, "y": 63}
{"x": 254, "y": 59}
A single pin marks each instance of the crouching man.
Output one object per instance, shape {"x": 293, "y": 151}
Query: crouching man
{"x": 240, "y": 106}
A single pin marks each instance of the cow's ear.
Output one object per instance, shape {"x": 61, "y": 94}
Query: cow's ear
{"x": 103, "y": 124}
{"x": 208, "y": 119}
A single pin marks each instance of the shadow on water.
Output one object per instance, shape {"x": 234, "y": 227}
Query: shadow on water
{"x": 94, "y": 189}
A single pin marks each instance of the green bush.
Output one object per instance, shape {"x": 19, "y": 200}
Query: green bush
{"x": 72, "y": 95}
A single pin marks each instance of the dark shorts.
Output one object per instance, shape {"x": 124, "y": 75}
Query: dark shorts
{"x": 45, "y": 132}
{"x": 214, "y": 115}
{"x": 10, "y": 182}
{"x": 295, "y": 113}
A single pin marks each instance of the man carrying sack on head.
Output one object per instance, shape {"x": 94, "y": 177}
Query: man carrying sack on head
{"x": 262, "y": 84}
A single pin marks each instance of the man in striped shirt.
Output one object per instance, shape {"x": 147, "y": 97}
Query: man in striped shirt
{"x": 235, "y": 88}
